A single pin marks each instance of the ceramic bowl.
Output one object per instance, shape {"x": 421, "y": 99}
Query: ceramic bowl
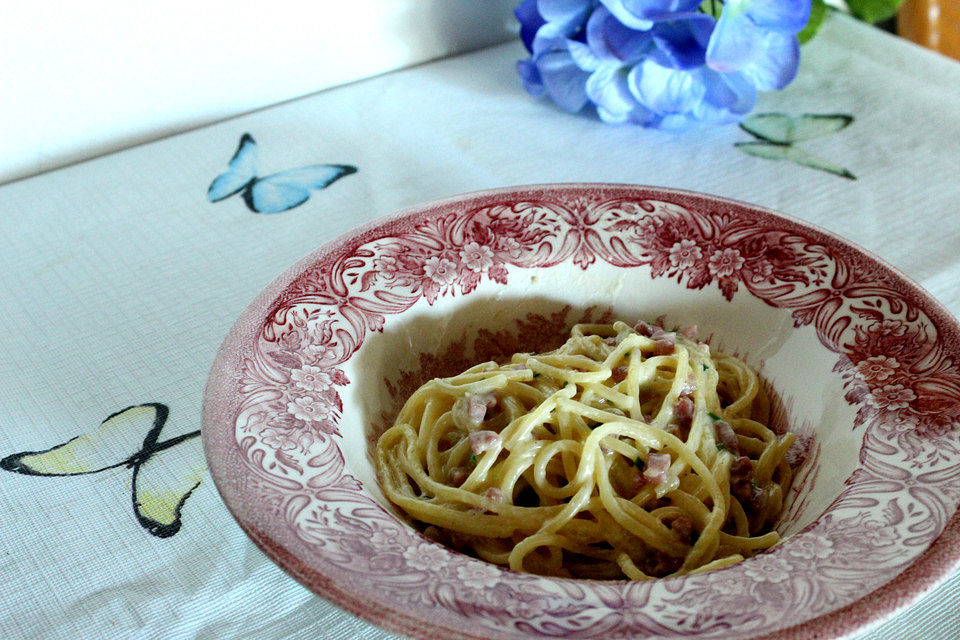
{"x": 861, "y": 360}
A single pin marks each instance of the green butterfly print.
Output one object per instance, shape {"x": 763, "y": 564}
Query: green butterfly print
{"x": 165, "y": 473}
{"x": 777, "y": 133}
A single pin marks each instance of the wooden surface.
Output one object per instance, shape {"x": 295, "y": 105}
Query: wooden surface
{"x": 934, "y": 24}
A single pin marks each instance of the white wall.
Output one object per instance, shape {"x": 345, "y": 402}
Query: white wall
{"x": 79, "y": 79}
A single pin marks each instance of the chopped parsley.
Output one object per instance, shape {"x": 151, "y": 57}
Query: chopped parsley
{"x": 639, "y": 463}
{"x": 705, "y": 367}
{"x": 536, "y": 374}
{"x": 721, "y": 446}
{"x": 714, "y": 416}
{"x": 473, "y": 458}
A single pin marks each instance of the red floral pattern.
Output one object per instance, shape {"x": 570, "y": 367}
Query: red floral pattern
{"x": 896, "y": 354}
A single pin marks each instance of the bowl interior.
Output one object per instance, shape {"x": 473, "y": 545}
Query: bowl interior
{"x": 536, "y": 314}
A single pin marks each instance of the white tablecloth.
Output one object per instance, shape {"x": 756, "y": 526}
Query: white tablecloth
{"x": 119, "y": 278}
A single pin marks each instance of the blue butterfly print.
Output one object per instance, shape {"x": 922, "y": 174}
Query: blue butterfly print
{"x": 274, "y": 193}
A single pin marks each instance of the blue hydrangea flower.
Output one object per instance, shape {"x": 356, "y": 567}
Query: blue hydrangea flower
{"x": 660, "y": 63}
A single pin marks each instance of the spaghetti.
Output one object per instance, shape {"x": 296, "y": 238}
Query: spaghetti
{"x": 626, "y": 453}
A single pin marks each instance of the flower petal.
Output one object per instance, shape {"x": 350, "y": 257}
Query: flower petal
{"x": 530, "y": 77}
{"x": 530, "y": 21}
{"x": 659, "y": 9}
{"x": 734, "y": 42}
{"x": 638, "y": 115}
{"x": 681, "y": 44}
{"x": 551, "y": 36}
{"x": 775, "y": 63}
{"x": 607, "y": 88}
{"x": 583, "y": 56}
{"x": 786, "y": 16}
{"x": 664, "y": 90}
{"x": 612, "y": 40}
{"x": 625, "y": 16}
{"x": 565, "y": 11}
{"x": 727, "y": 97}
{"x": 563, "y": 80}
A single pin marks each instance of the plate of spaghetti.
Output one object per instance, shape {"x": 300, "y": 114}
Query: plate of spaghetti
{"x": 616, "y": 456}
{"x": 595, "y": 411}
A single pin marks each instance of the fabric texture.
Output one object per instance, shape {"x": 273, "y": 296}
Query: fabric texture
{"x": 119, "y": 278}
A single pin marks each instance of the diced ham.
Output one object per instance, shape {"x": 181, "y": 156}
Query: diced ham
{"x": 645, "y": 329}
{"x": 619, "y": 374}
{"x": 611, "y": 340}
{"x": 682, "y": 526}
{"x": 493, "y": 494}
{"x": 657, "y": 466}
{"x": 471, "y": 409}
{"x": 741, "y": 469}
{"x": 480, "y": 441}
{"x": 665, "y": 344}
{"x": 457, "y": 476}
{"x": 751, "y": 497}
{"x": 665, "y": 340}
{"x": 690, "y": 332}
{"x": 461, "y": 413}
{"x": 683, "y": 412}
{"x": 727, "y": 437}
{"x": 637, "y": 480}
{"x": 742, "y": 485}
{"x": 479, "y": 404}
{"x": 476, "y": 410}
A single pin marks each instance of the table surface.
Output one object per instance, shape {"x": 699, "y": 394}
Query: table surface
{"x": 119, "y": 279}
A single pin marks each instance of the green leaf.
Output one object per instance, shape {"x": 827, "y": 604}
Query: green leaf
{"x": 713, "y": 415}
{"x": 818, "y": 11}
{"x": 874, "y": 10}
{"x": 712, "y": 8}
{"x": 639, "y": 463}
{"x": 779, "y": 128}
{"x": 786, "y": 152}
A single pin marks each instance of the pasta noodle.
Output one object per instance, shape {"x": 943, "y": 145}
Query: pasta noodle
{"x": 629, "y": 452}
